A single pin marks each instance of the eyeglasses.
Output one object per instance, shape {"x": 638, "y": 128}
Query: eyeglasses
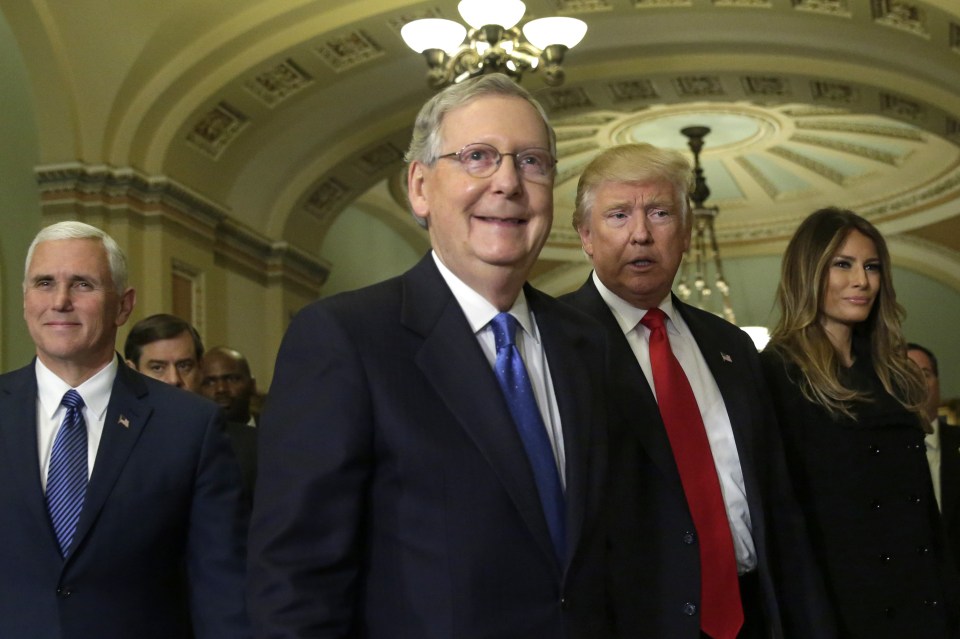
{"x": 482, "y": 160}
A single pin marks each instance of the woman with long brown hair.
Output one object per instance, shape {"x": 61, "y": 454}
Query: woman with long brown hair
{"x": 848, "y": 402}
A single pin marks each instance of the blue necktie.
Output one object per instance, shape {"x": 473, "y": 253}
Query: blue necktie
{"x": 512, "y": 376}
{"x": 67, "y": 475}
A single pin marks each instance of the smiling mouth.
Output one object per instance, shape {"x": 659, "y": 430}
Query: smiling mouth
{"x": 642, "y": 262}
{"x": 509, "y": 221}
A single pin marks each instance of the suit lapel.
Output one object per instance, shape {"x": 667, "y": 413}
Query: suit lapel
{"x": 125, "y": 420}
{"x": 730, "y": 369}
{"x": 562, "y": 343}
{"x": 641, "y": 414}
{"x": 18, "y": 432}
{"x": 453, "y": 362}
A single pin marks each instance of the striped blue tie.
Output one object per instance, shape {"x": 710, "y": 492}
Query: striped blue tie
{"x": 67, "y": 475}
{"x": 515, "y": 384}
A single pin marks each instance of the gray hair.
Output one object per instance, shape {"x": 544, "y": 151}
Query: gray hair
{"x": 425, "y": 142}
{"x": 73, "y": 230}
{"x": 633, "y": 163}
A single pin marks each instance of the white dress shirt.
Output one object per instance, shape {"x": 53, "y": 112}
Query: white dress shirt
{"x": 932, "y": 441}
{"x": 50, "y": 413}
{"x": 479, "y": 314}
{"x": 709, "y": 400}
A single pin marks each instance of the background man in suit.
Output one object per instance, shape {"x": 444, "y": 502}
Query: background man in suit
{"x": 403, "y": 494}
{"x": 167, "y": 348}
{"x": 943, "y": 448}
{"x": 121, "y": 503}
{"x": 226, "y": 380}
{"x": 683, "y": 535}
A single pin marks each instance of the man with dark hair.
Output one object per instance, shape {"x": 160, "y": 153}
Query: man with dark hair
{"x": 167, "y": 348}
{"x": 433, "y": 451}
{"x": 120, "y": 496}
{"x": 943, "y": 447}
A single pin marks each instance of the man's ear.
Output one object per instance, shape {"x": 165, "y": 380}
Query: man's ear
{"x": 418, "y": 190}
{"x": 586, "y": 241}
{"x": 131, "y": 364}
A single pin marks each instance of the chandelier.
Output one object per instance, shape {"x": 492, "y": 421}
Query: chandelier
{"x": 703, "y": 256}
{"x": 493, "y": 43}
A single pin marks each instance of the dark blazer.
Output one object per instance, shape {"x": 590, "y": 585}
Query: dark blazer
{"x": 656, "y": 576}
{"x": 395, "y": 499}
{"x": 950, "y": 484}
{"x": 244, "y": 440}
{"x": 158, "y": 552}
{"x": 865, "y": 490}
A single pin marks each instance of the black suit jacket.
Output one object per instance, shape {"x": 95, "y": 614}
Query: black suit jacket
{"x": 158, "y": 551}
{"x": 950, "y": 485}
{"x": 395, "y": 499}
{"x": 656, "y": 575}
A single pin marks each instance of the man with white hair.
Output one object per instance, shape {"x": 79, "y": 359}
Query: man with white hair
{"x": 120, "y": 495}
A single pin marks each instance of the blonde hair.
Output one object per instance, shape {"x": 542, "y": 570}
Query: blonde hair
{"x": 799, "y": 336}
{"x": 633, "y": 163}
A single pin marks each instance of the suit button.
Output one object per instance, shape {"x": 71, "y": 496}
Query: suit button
{"x": 885, "y": 559}
{"x": 689, "y": 609}
{"x": 64, "y": 591}
{"x": 922, "y": 550}
{"x": 914, "y": 499}
{"x": 930, "y": 602}
{"x": 874, "y": 449}
{"x": 689, "y": 538}
{"x": 875, "y": 504}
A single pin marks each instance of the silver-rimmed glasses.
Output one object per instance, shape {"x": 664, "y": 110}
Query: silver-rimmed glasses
{"x": 482, "y": 160}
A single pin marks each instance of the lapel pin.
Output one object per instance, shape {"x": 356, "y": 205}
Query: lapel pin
{"x": 726, "y": 357}
{"x": 123, "y": 421}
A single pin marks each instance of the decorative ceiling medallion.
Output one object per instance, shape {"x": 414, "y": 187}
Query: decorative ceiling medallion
{"x": 326, "y": 198}
{"x": 278, "y": 83}
{"x": 829, "y": 7}
{"x": 347, "y": 51}
{"x": 698, "y": 86}
{"x": 902, "y": 108}
{"x": 582, "y": 6}
{"x": 766, "y": 86}
{"x": 742, "y": 3}
{"x": 397, "y": 22}
{"x": 379, "y": 158}
{"x": 566, "y": 99}
{"x": 647, "y": 4}
{"x": 633, "y": 90}
{"x": 215, "y": 130}
{"x": 834, "y": 92}
{"x": 906, "y": 16}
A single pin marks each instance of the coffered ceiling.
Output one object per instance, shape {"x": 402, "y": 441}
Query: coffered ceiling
{"x": 285, "y": 113}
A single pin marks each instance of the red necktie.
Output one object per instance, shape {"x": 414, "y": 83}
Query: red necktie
{"x": 721, "y": 613}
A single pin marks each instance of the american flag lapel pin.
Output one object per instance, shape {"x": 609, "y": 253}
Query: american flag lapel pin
{"x": 726, "y": 357}
{"x": 123, "y": 421}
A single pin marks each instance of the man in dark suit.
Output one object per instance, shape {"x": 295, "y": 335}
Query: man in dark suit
{"x": 226, "y": 380}
{"x": 403, "y": 494}
{"x": 121, "y": 501}
{"x": 169, "y": 348}
{"x": 943, "y": 448}
{"x": 633, "y": 217}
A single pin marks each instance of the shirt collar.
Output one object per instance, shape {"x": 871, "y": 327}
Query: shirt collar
{"x": 95, "y": 391}
{"x": 478, "y": 310}
{"x": 628, "y": 316}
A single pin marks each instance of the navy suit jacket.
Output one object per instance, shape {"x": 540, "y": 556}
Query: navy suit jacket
{"x": 394, "y": 498}
{"x": 655, "y": 558}
{"x": 158, "y": 551}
